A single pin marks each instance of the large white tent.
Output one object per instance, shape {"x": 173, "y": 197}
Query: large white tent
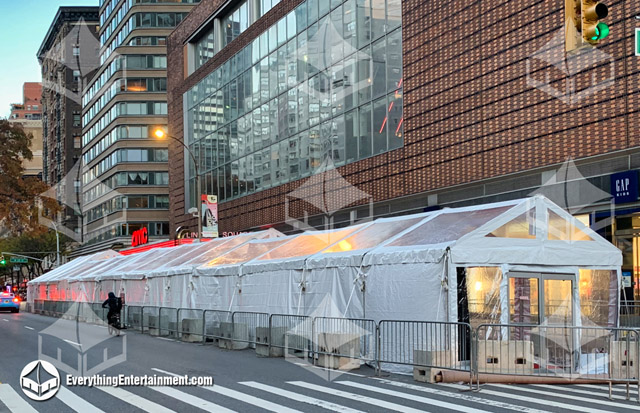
{"x": 407, "y": 268}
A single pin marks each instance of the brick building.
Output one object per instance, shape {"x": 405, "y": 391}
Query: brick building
{"x": 28, "y": 114}
{"x": 68, "y": 58}
{"x": 487, "y": 106}
{"x": 30, "y": 108}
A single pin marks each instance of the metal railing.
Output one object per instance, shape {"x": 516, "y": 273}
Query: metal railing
{"x": 561, "y": 352}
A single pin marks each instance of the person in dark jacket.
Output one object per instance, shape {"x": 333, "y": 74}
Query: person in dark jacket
{"x": 115, "y": 305}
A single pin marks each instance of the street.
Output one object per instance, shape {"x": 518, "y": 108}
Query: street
{"x": 247, "y": 383}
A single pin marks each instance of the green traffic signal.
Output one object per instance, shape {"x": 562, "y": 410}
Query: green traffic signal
{"x": 2, "y": 260}
{"x": 601, "y": 31}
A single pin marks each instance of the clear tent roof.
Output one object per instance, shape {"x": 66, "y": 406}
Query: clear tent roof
{"x": 426, "y": 231}
{"x": 308, "y": 243}
{"x": 448, "y": 226}
{"x": 247, "y": 252}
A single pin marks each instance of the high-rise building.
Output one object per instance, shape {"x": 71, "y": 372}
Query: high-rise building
{"x": 125, "y": 173}
{"x": 68, "y": 57}
{"x": 316, "y": 113}
{"x": 29, "y": 115}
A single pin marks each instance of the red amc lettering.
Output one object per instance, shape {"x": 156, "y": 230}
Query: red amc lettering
{"x": 139, "y": 237}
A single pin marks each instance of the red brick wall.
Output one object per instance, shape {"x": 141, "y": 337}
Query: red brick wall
{"x": 470, "y": 112}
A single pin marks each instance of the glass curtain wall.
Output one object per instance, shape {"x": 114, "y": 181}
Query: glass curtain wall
{"x": 323, "y": 84}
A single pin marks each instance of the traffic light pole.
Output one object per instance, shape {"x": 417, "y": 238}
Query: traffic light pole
{"x": 21, "y": 256}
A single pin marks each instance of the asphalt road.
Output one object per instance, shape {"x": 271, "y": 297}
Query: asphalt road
{"x": 243, "y": 381}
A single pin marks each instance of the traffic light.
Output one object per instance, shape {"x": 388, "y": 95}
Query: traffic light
{"x": 2, "y": 260}
{"x": 593, "y": 30}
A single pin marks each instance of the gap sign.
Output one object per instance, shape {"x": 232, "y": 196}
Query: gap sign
{"x": 624, "y": 186}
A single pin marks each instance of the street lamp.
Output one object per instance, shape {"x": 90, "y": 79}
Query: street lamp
{"x": 161, "y": 134}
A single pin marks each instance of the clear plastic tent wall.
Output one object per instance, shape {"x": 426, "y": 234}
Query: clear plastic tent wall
{"x": 404, "y": 268}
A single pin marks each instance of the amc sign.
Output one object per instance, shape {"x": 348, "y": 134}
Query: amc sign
{"x": 139, "y": 237}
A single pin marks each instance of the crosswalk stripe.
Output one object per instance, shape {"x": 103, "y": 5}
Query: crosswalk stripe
{"x": 135, "y": 400}
{"x": 192, "y": 400}
{"x": 536, "y": 400}
{"x": 619, "y": 389}
{"x": 357, "y": 397}
{"x": 581, "y": 391}
{"x": 462, "y": 396}
{"x": 531, "y": 389}
{"x": 76, "y": 402}
{"x": 413, "y": 397}
{"x": 301, "y": 398}
{"x": 13, "y": 401}
{"x": 267, "y": 405}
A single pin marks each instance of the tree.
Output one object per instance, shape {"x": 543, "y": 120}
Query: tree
{"x": 37, "y": 244}
{"x": 19, "y": 195}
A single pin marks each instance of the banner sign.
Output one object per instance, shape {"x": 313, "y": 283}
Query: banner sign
{"x": 209, "y": 214}
{"x": 624, "y": 186}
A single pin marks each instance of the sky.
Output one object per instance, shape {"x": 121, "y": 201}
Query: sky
{"x": 23, "y": 25}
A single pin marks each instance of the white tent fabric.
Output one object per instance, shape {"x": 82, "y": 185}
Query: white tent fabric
{"x": 393, "y": 268}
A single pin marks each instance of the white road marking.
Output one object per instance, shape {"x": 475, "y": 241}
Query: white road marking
{"x": 29, "y": 328}
{"x": 13, "y": 401}
{"x": 192, "y": 400}
{"x": 338, "y": 372}
{"x": 135, "y": 400}
{"x": 607, "y": 403}
{"x": 4, "y": 319}
{"x": 356, "y": 397}
{"x": 166, "y": 372}
{"x": 536, "y": 400}
{"x": 461, "y": 396}
{"x": 73, "y": 342}
{"x": 76, "y": 402}
{"x": 575, "y": 389}
{"x": 300, "y": 398}
{"x": 164, "y": 338}
{"x": 264, "y": 404}
{"x": 412, "y": 397}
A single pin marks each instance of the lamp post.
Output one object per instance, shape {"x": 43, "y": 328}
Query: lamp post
{"x": 55, "y": 226}
{"x": 161, "y": 134}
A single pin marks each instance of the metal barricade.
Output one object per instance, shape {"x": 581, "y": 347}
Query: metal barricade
{"x": 133, "y": 316}
{"x": 292, "y": 333}
{"x": 168, "y": 322}
{"x": 350, "y": 338}
{"x": 190, "y": 324}
{"x": 212, "y": 324}
{"x": 150, "y": 320}
{"x": 564, "y": 352}
{"x": 426, "y": 345}
{"x": 243, "y": 327}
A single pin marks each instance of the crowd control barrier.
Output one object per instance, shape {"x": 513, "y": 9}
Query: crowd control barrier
{"x": 551, "y": 352}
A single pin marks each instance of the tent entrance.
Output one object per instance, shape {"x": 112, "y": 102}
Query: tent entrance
{"x": 545, "y": 300}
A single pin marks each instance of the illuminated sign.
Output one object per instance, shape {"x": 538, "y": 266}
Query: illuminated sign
{"x": 139, "y": 237}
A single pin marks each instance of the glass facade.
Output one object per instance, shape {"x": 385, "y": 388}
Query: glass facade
{"x": 324, "y": 82}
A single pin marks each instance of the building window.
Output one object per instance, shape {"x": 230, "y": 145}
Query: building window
{"x": 324, "y": 83}
{"x": 77, "y": 144}
{"x": 77, "y": 121}
{"x": 76, "y": 50}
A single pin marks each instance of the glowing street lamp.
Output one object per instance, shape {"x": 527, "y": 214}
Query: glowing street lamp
{"x": 161, "y": 134}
